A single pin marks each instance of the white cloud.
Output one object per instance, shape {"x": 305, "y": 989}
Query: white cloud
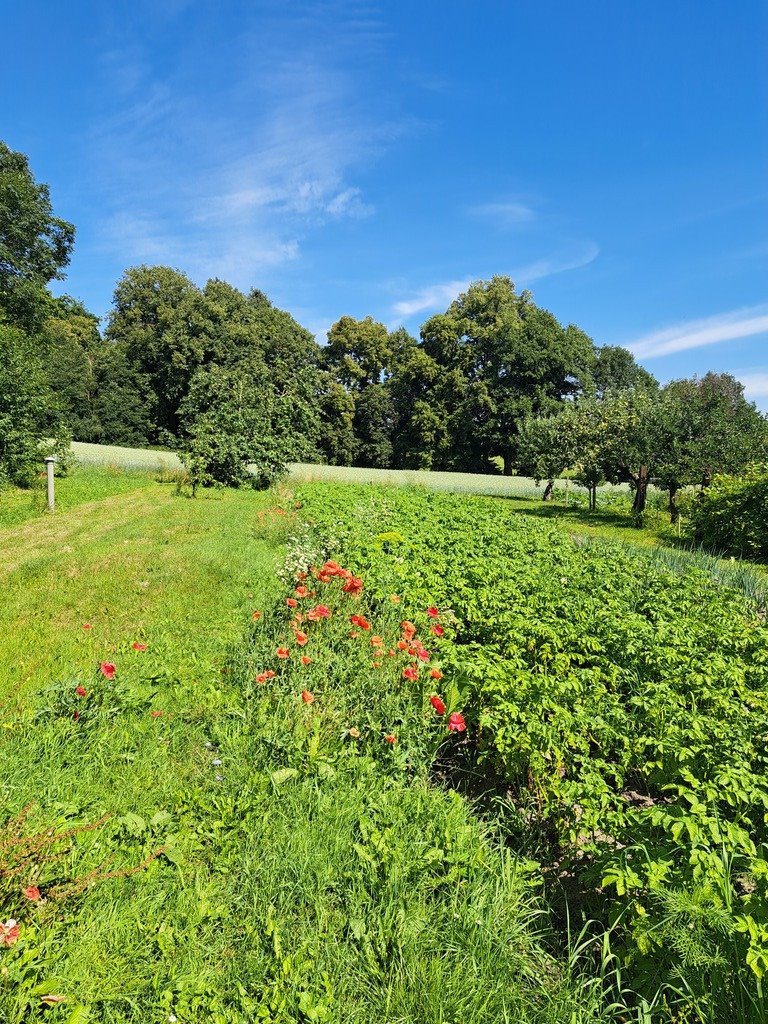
{"x": 755, "y": 384}
{"x": 739, "y": 323}
{"x": 506, "y": 214}
{"x": 438, "y": 296}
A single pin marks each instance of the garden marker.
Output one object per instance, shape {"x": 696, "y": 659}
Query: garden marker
{"x": 49, "y": 463}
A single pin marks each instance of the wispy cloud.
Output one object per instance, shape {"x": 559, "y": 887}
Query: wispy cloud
{"x": 434, "y": 296}
{"x": 504, "y": 214}
{"x": 234, "y": 185}
{"x": 740, "y": 323}
{"x": 437, "y": 296}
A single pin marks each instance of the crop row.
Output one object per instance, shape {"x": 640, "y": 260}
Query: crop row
{"x": 621, "y": 705}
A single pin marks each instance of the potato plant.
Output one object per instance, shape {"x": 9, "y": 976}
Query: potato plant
{"x": 623, "y": 706}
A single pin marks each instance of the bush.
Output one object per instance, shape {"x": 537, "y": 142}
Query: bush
{"x": 731, "y": 516}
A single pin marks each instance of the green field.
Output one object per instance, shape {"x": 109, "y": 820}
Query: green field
{"x": 470, "y": 483}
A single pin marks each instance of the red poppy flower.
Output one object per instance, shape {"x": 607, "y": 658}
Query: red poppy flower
{"x": 456, "y": 723}
{"x": 433, "y": 613}
{"x": 353, "y": 586}
{"x": 376, "y": 641}
{"x": 358, "y": 620}
{"x": 301, "y": 575}
{"x": 270, "y": 673}
{"x": 435, "y": 673}
{"x": 305, "y": 659}
{"x": 320, "y": 611}
{"x": 87, "y": 626}
{"x": 376, "y": 664}
{"x": 301, "y": 638}
{"x": 32, "y": 893}
{"x": 76, "y": 716}
{"x": 107, "y": 669}
{"x": 138, "y": 647}
{"x": 256, "y": 616}
{"x": 301, "y": 591}
{"x": 307, "y": 697}
{"x": 157, "y": 714}
{"x": 411, "y": 672}
{"x": 391, "y": 652}
{"x": 422, "y": 655}
{"x": 81, "y": 691}
{"x": 409, "y": 630}
{"x": 437, "y": 704}
{"x": 9, "y": 932}
{"x": 402, "y": 645}
{"x": 261, "y": 677}
{"x": 291, "y": 602}
{"x": 438, "y": 630}
{"x": 391, "y": 738}
{"x": 283, "y": 652}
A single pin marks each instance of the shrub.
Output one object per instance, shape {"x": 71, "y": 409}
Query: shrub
{"x": 731, "y": 516}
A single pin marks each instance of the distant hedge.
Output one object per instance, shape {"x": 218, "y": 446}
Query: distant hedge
{"x": 732, "y": 514}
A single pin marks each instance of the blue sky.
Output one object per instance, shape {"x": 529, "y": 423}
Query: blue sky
{"x": 368, "y": 158}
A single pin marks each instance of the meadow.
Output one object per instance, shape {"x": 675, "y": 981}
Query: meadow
{"x": 346, "y": 753}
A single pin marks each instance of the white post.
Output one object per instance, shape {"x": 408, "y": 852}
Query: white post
{"x": 49, "y": 462}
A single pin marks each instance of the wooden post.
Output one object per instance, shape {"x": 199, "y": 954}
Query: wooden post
{"x": 49, "y": 463}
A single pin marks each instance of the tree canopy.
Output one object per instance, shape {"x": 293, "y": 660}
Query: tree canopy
{"x": 35, "y": 246}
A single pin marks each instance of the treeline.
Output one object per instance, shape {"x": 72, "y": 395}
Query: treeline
{"x": 229, "y": 379}
{"x": 453, "y": 399}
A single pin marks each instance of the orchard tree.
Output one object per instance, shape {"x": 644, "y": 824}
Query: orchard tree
{"x": 236, "y": 428}
{"x": 705, "y": 426}
{"x": 547, "y": 447}
{"x": 35, "y": 246}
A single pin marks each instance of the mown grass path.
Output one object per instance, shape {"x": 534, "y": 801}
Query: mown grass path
{"x": 147, "y": 566}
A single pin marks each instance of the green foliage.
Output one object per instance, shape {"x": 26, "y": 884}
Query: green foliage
{"x": 35, "y": 246}
{"x": 237, "y": 428}
{"x": 621, "y": 704}
{"x": 25, "y": 437}
{"x": 731, "y": 515}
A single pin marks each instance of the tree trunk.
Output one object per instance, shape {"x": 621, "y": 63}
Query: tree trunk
{"x": 547, "y": 495}
{"x": 641, "y": 491}
{"x": 674, "y": 511}
{"x": 507, "y": 464}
